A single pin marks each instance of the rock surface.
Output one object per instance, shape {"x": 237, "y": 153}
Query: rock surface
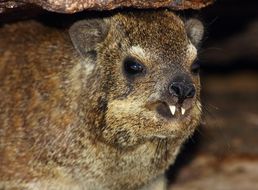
{"x": 72, "y": 6}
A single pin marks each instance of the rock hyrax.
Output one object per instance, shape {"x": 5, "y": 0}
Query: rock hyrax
{"x": 104, "y": 105}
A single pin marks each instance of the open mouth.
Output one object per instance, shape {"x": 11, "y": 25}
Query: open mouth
{"x": 170, "y": 111}
{"x": 173, "y": 109}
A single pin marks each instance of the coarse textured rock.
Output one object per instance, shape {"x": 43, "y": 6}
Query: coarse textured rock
{"x": 72, "y": 6}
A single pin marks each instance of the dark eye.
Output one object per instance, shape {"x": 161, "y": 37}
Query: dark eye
{"x": 133, "y": 67}
{"x": 195, "y": 68}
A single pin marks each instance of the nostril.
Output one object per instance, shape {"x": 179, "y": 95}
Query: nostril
{"x": 176, "y": 89}
{"x": 190, "y": 92}
{"x": 182, "y": 90}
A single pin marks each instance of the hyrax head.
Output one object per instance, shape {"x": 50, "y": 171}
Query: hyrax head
{"x": 143, "y": 64}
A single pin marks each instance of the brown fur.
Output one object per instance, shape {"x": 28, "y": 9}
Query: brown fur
{"x": 68, "y": 124}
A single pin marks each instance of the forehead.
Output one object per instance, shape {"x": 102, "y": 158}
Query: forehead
{"x": 159, "y": 35}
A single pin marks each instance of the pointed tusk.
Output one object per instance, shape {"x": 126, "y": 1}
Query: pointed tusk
{"x": 182, "y": 111}
{"x": 172, "y": 109}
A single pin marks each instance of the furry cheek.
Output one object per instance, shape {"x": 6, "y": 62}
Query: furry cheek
{"x": 118, "y": 130}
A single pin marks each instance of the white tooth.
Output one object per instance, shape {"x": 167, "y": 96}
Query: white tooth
{"x": 172, "y": 109}
{"x": 182, "y": 111}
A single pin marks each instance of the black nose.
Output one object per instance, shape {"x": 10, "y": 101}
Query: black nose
{"x": 182, "y": 90}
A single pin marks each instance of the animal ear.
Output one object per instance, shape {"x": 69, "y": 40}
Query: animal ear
{"x": 194, "y": 29}
{"x": 86, "y": 34}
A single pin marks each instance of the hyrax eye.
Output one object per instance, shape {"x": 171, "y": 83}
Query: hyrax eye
{"x": 133, "y": 67}
{"x": 195, "y": 68}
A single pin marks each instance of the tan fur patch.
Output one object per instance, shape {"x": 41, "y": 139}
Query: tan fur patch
{"x": 140, "y": 53}
{"x": 191, "y": 53}
{"x": 120, "y": 107}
